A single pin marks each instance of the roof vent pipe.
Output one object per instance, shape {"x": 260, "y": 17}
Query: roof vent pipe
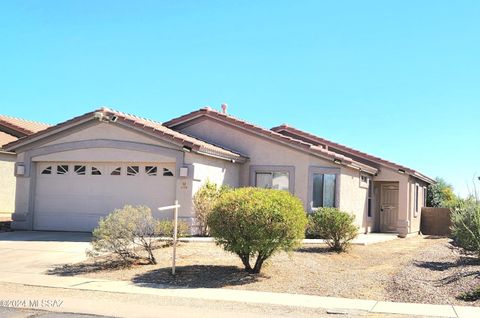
{"x": 224, "y": 108}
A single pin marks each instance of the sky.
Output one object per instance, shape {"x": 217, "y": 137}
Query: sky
{"x": 397, "y": 79}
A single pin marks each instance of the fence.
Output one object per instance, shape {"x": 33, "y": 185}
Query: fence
{"x": 435, "y": 221}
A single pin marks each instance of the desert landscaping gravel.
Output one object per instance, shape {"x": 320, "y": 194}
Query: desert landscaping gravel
{"x": 418, "y": 269}
{"x": 437, "y": 275}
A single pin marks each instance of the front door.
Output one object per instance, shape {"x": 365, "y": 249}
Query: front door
{"x": 389, "y": 208}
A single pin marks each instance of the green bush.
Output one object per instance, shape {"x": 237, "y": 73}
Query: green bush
{"x": 164, "y": 228}
{"x": 203, "y": 202}
{"x": 255, "y": 223}
{"x": 472, "y": 295}
{"x": 440, "y": 194}
{"x": 466, "y": 225}
{"x": 130, "y": 233}
{"x": 336, "y": 227}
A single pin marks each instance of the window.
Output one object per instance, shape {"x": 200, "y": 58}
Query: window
{"x": 167, "y": 172}
{"x": 424, "y": 196}
{"x": 272, "y": 180}
{"x": 62, "y": 169}
{"x": 96, "y": 172}
{"x": 369, "y": 197}
{"x": 323, "y": 190}
{"x": 132, "y": 170}
{"x": 47, "y": 170}
{"x": 79, "y": 170}
{"x": 416, "y": 200}
{"x": 116, "y": 171}
{"x": 151, "y": 170}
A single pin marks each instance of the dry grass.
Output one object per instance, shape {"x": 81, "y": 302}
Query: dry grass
{"x": 364, "y": 272}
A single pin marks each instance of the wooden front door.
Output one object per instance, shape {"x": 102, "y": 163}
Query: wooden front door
{"x": 389, "y": 208}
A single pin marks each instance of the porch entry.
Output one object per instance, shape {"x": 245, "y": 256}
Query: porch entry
{"x": 388, "y": 208}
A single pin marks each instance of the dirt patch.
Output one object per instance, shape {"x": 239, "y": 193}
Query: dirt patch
{"x": 364, "y": 272}
{"x": 437, "y": 275}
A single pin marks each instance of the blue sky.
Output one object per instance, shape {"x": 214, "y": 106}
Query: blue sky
{"x": 398, "y": 79}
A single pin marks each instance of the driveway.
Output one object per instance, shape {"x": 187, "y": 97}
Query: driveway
{"x": 29, "y": 252}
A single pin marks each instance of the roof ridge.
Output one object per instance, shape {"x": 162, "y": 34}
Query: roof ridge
{"x": 346, "y": 148}
{"x": 156, "y": 127}
{"x": 301, "y": 143}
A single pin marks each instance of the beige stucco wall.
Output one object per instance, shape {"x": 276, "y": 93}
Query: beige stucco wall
{"x": 354, "y": 198}
{"x": 416, "y": 217}
{"x": 265, "y": 152}
{"x": 7, "y": 183}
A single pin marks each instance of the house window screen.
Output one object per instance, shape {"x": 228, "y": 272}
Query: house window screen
{"x": 324, "y": 188}
{"x": 272, "y": 180}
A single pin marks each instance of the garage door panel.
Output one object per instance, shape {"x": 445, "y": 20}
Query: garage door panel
{"x": 73, "y": 202}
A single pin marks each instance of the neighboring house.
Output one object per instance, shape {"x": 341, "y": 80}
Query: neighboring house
{"x": 11, "y": 129}
{"x": 77, "y": 171}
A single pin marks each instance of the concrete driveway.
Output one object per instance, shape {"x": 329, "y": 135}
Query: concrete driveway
{"x": 35, "y": 252}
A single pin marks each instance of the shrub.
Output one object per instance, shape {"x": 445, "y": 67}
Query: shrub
{"x": 336, "y": 227}
{"x": 164, "y": 228}
{"x": 440, "y": 194}
{"x": 472, "y": 295}
{"x": 466, "y": 225}
{"x": 255, "y": 223}
{"x": 204, "y": 201}
{"x": 124, "y": 231}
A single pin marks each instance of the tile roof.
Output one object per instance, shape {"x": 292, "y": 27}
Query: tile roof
{"x": 6, "y": 138}
{"x": 152, "y": 127}
{"x": 22, "y": 126}
{"x": 207, "y": 111}
{"x": 294, "y": 132}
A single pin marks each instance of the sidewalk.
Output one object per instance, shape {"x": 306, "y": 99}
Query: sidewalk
{"x": 294, "y": 300}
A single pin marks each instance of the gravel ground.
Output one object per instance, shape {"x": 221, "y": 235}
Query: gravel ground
{"x": 437, "y": 275}
{"x": 364, "y": 272}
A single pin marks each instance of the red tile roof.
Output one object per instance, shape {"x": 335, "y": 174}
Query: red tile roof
{"x": 147, "y": 125}
{"x": 297, "y": 133}
{"x": 305, "y": 146}
{"x": 6, "y": 138}
{"x": 22, "y": 126}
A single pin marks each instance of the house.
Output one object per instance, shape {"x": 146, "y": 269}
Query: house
{"x": 71, "y": 174}
{"x": 11, "y": 129}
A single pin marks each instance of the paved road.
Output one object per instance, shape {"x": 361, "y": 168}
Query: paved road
{"x": 135, "y": 305}
{"x": 28, "y": 313}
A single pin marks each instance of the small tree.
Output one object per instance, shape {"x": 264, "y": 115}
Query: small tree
{"x": 440, "y": 194}
{"x": 335, "y": 226}
{"x": 203, "y": 201}
{"x": 255, "y": 223}
{"x": 466, "y": 224}
{"x": 124, "y": 231}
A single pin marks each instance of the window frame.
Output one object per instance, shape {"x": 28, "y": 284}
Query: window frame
{"x": 254, "y": 169}
{"x": 370, "y": 198}
{"x": 416, "y": 199}
{"x": 424, "y": 196}
{"x": 312, "y": 170}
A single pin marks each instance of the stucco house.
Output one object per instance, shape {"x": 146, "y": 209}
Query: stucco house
{"x": 71, "y": 174}
{"x": 11, "y": 129}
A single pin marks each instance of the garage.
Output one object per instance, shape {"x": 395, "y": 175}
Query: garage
{"x": 73, "y": 196}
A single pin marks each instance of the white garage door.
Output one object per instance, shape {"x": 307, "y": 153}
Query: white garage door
{"x": 73, "y": 196}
